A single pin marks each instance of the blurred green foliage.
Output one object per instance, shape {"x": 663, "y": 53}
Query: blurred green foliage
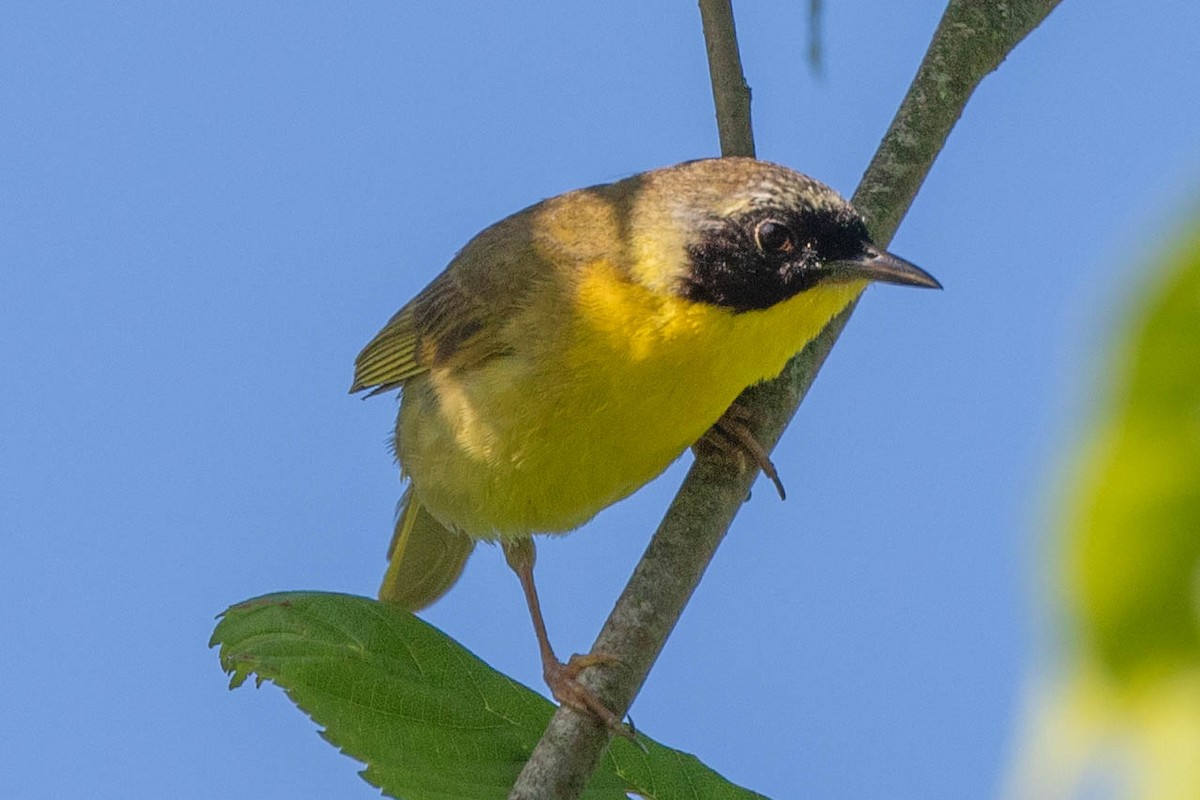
{"x": 1133, "y": 547}
{"x": 1119, "y": 717}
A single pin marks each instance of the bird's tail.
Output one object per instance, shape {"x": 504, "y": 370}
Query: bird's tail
{"x": 425, "y": 557}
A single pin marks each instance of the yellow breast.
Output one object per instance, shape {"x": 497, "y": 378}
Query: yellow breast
{"x": 589, "y": 409}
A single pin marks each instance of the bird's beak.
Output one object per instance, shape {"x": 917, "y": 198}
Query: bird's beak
{"x": 874, "y": 264}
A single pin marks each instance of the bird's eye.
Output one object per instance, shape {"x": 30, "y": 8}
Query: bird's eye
{"x": 773, "y": 236}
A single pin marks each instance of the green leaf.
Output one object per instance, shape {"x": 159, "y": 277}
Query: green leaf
{"x": 429, "y": 719}
{"x": 1133, "y": 548}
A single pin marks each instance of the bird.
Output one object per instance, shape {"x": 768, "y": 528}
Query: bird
{"x": 569, "y": 353}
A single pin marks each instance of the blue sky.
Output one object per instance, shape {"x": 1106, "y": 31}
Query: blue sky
{"x": 207, "y": 209}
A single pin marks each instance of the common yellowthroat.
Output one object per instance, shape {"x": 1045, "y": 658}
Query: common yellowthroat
{"x": 572, "y": 351}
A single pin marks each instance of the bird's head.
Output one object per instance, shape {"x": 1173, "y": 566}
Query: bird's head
{"x": 745, "y": 234}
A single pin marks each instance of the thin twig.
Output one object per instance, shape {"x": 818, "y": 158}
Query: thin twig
{"x": 731, "y": 94}
{"x": 815, "y": 48}
{"x": 972, "y": 39}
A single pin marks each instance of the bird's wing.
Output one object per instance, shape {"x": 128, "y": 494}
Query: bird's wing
{"x": 445, "y": 321}
{"x": 390, "y": 358}
{"x": 461, "y": 318}
{"x": 520, "y": 269}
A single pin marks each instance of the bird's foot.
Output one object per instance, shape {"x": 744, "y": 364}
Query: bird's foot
{"x": 563, "y": 680}
{"x": 731, "y": 437}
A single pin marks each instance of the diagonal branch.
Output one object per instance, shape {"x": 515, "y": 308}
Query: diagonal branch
{"x": 972, "y": 39}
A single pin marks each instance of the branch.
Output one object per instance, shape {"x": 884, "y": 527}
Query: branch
{"x": 731, "y": 94}
{"x": 971, "y": 40}
{"x": 815, "y": 48}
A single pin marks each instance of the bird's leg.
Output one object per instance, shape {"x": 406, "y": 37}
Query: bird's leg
{"x": 561, "y": 678}
{"x": 731, "y": 436}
